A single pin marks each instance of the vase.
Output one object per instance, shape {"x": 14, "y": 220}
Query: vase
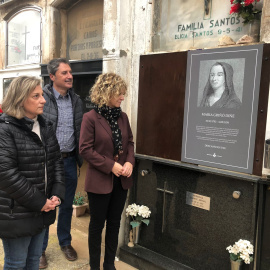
{"x": 79, "y": 210}
{"x": 254, "y": 29}
{"x": 136, "y": 234}
{"x": 236, "y": 265}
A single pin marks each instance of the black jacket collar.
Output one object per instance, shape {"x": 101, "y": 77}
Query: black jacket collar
{"x": 24, "y": 122}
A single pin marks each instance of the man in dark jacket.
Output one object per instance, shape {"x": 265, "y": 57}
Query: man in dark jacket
{"x": 64, "y": 108}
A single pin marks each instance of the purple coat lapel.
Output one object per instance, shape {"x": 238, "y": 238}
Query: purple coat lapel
{"x": 107, "y": 127}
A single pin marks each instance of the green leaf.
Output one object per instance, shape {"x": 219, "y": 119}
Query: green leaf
{"x": 139, "y": 218}
{"x": 146, "y": 221}
{"x": 78, "y": 199}
{"x": 134, "y": 224}
{"x": 233, "y": 257}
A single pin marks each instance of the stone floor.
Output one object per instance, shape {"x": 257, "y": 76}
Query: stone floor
{"x": 56, "y": 257}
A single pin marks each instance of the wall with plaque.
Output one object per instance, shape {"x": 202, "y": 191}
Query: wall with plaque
{"x": 181, "y": 24}
{"x": 85, "y": 30}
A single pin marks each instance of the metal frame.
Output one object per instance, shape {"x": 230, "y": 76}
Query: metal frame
{"x": 28, "y": 8}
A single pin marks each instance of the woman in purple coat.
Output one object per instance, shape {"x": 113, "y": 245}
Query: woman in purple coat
{"x": 106, "y": 143}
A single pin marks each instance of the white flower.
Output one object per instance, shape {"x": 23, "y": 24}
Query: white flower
{"x": 135, "y": 210}
{"x": 233, "y": 249}
{"x": 242, "y": 249}
{"x": 144, "y": 211}
{"x": 132, "y": 210}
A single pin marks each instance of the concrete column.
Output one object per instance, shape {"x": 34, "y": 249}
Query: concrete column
{"x": 265, "y": 37}
{"x": 54, "y": 33}
{"x": 63, "y": 41}
{"x": 265, "y": 22}
{"x": 47, "y": 34}
{"x": 126, "y": 35}
{"x": 3, "y": 26}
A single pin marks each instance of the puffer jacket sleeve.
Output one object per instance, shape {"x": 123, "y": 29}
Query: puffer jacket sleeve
{"x": 55, "y": 166}
{"x": 11, "y": 180}
{"x": 58, "y": 187}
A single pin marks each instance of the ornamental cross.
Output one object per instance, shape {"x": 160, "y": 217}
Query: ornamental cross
{"x": 25, "y": 33}
{"x": 165, "y": 191}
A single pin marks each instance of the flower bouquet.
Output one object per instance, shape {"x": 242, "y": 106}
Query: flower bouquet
{"x": 241, "y": 251}
{"x": 139, "y": 214}
{"x": 245, "y": 8}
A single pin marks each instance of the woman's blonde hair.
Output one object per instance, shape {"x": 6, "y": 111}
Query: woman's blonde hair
{"x": 107, "y": 86}
{"x": 18, "y": 91}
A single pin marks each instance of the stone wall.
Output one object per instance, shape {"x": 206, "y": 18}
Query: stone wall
{"x": 265, "y": 22}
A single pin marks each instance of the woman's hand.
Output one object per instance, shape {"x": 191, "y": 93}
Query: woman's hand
{"x": 56, "y": 200}
{"x": 127, "y": 169}
{"x": 49, "y": 205}
{"x": 117, "y": 169}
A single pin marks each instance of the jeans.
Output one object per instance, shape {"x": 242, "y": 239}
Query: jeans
{"x": 65, "y": 209}
{"x": 24, "y": 252}
{"x": 105, "y": 207}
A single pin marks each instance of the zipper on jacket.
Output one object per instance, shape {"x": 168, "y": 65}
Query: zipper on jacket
{"x": 41, "y": 140}
{"x": 11, "y": 206}
{"x": 45, "y": 162}
{"x": 45, "y": 171}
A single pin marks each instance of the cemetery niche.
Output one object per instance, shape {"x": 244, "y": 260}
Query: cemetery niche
{"x": 198, "y": 209}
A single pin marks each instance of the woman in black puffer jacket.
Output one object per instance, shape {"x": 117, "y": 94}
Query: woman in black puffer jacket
{"x": 31, "y": 174}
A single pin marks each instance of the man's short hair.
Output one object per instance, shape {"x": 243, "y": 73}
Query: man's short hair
{"x": 53, "y": 65}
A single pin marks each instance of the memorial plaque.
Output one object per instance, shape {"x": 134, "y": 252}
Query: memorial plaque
{"x": 221, "y": 103}
{"x": 197, "y": 200}
{"x": 198, "y": 23}
{"x": 85, "y": 29}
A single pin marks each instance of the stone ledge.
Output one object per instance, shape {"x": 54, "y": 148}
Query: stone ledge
{"x": 145, "y": 259}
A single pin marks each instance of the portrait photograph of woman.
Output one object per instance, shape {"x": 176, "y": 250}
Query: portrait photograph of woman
{"x": 220, "y": 83}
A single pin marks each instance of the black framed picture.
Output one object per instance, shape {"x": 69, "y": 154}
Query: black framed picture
{"x": 221, "y": 103}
